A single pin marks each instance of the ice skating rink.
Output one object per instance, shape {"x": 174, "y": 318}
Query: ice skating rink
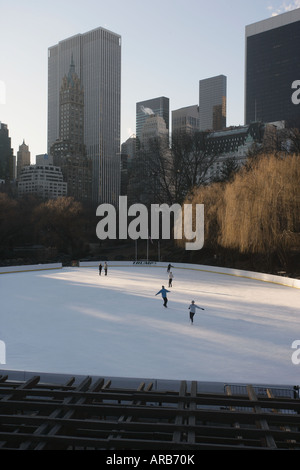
{"x": 73, "y": 321}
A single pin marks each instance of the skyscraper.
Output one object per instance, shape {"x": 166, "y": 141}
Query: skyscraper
{"x": 69, "y": 152}
{"x": 97, "y": 55}
{"x": 186, "y": 120}
{"x": 272, "y": 69}
{"x": 154, "y": 128}
{"x": 23, "y": 158}
{"x": 212, "y": 103}
{"x": 7, "y": 159}
{"x": 155, "y": 106}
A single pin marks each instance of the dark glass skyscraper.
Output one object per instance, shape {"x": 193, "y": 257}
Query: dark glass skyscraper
{"x": 273, "y": 69}
{"x": 156, "y": 106}
{"x": 212, "y": 103}
{"x": 6, "y": 155}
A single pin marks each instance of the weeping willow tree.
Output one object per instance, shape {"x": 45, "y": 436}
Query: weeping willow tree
{"x": 258, "y": 212}
{"x": 262, "y": 208}
{"x": 212, "y": 197}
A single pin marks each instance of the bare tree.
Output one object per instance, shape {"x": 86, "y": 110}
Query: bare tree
{"x": 163, "y": 173}
{"x": 60, "y": 223}
{"x": 191, "y": 162}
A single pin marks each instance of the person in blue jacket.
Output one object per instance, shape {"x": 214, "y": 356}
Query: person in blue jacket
{"x": 163, "y": 293}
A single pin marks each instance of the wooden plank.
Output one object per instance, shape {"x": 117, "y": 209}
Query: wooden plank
{"x": 32, "y": 382}
{"x": 191, "y": 439}
{"x": 127, "y": 419}
{"x": 235, "y": 424}
{"x": 207, "y": 400}
{"x": 261, "y": 423}
{"x": 180, "y": 406}
{"x": 112, "y": 408}
{"x": 138, "y": 427}
{"x": 286, "y": 429}
{"x": 83, "y": 386}
{"x": 97, "y": 416}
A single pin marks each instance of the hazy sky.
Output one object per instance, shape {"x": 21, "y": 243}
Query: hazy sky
{"x": 167, "y": 47}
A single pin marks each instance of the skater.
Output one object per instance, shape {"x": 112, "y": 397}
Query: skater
{"x": 100, "y": 269}
{"x": 169, "y": 267}
{"x": 105, "y": 268}
{"x": 170, "y": 278}
{"x": 163, "y": 293}
{"x": 192, "y": 309}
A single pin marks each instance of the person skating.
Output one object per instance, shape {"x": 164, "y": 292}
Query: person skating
{"x": 192, "y": 309}
{"x": 169, "y": 267}
{"x": 163, "y": 293}
{"x": 100, "y": 269}
{"x": 105, "y": 268}
{"x": 170, "y": 278}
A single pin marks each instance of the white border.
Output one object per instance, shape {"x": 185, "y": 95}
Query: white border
{"x": 33, "y": 267}
{"x": 282, "y": 280}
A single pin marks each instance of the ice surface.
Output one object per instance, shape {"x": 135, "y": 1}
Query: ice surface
{"x": 74, "y": 321}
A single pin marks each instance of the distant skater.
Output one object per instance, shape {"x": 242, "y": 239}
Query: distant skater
{"x": 192, "y": 309}
{"x": 105, "y": 268}
{"x": 100, "y": 269}
{"x": 170, "y": 278}
{"x": 169, "y": 268}
{"x": 163, "y": 293}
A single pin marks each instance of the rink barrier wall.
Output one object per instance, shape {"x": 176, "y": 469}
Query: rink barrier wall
{"x": 33, "y": 267}
{"x": 132, "y": 382}
{"x": 271, "y": 278}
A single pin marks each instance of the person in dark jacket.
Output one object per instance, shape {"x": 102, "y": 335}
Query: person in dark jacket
{"x": 169, "y": 268}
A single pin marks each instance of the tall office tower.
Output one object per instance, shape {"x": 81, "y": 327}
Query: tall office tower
{"x": 186, "y": 120}
{"x": 69, "y": 151}
{"x": 145, "y": 109}
{"x": 272, "y": 75}
{"x": 97, "y": 55}
{"x": 154, "y": 128}
{"x": 23, "y": 158}
{"x": 7, "y": 159}
{"x": 212, "y": 103}
{"x": 71, "y": 111}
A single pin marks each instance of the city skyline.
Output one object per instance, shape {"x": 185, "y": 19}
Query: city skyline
{"x": 166, "y": 50}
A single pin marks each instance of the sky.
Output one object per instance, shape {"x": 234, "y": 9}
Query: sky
{"x": 167, "y": 47}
